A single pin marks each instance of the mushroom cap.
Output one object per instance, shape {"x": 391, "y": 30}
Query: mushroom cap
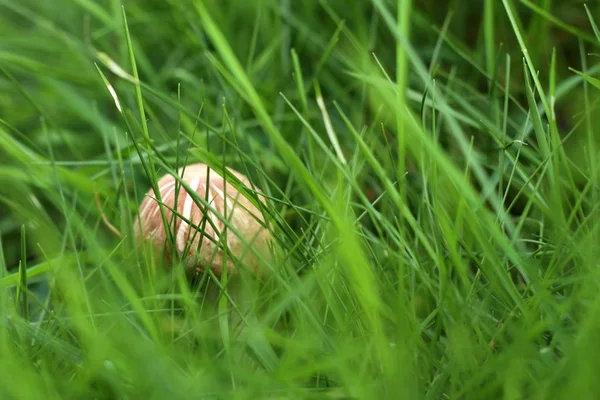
{"x": 200, "y": 242}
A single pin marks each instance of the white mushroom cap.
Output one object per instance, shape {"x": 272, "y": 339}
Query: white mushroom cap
{"x": 201, "y": 242}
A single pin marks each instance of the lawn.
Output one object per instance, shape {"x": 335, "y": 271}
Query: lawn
{"x": 427, "y": 171}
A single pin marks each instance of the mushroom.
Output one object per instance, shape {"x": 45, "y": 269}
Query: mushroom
{"x": 201, "y": 234}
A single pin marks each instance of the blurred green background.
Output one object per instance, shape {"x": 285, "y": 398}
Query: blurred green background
{"x": 443, "y": 254}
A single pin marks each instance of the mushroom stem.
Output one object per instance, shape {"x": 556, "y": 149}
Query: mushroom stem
{"x": 235, "y": 307}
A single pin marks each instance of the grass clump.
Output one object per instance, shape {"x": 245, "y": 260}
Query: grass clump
{"x": 430, "y": 174}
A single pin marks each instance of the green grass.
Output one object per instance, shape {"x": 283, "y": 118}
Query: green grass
{"x": 432, "y": 182}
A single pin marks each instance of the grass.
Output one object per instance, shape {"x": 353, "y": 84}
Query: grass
{"x": 432, "y": 182}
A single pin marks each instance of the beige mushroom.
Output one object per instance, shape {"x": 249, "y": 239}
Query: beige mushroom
{"x": 199, "y": 233}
